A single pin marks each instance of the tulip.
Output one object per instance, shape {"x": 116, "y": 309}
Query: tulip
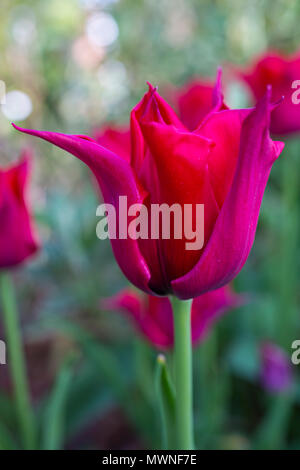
{"x": 153, "y": 318}
{"x": 18, "y": 240}
{"x": 276, "y": 373}
{"x": 224, "y": 164}
{"x": 282, "y": 72}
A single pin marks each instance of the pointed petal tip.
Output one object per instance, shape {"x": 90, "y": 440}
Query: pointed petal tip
{"x": 277, "y": 103}
{"x": 151, "y": 87}
{"x": 18, "y": 128}
{"x": 264, "y": 106}
{"x": 219, "y": 73}
{"x": 218, "y": 84}
{"x": 279, "y": 146}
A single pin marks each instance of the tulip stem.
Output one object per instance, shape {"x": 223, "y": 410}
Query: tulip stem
{"x": 183, "y": 373}
{"x": 16, "y": 361}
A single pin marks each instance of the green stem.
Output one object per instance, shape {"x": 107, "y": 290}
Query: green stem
{"x": 16, "y": 361}
{"x": 183, "y": 374}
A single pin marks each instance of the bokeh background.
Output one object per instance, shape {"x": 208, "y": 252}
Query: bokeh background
{"x": 71, "y": 66}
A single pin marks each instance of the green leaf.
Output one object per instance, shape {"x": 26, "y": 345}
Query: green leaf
{"x": 166, "y": 402}
{"x": 6, "y": 440}
{"x": 54, "y": 424}
{"x": 107, "y": 363}
{"x": 272, "y": 432}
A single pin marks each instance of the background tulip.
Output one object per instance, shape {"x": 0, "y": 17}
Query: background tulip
{"x": 18, "y": 239}
{"x": 280, "y": 71}
{"x": 152, "y": 316}
{"x": 276, "y": 372}
{"x": 194, "y": 101}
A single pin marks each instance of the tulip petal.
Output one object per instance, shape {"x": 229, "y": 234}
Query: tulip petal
{"x": 180, "y": 160}
{"x": 116, "y": 139}
{"x": 225, "y": 129}
{"x": 157, "y": 109}
{"x": 115, "y": 179}
{"x": 234, "y": 231}
{"x": 160, "y": 310}
{"x": 268, "y": 70}
{"x": 198, "y": 99}
{"x": 218, "y": 97}
{"x": 194, "y": 103}
{"x": 152, "y": 316}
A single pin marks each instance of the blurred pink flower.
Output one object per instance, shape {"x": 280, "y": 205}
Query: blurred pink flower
{"x": 280, "y": 71}
{"x": 17, "y": 238}
{"x": 276, "y": 373}
{"x": 152, "y": 316}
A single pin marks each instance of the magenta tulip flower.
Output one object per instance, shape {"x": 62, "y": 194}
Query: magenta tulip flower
{"x": 223, "y": 164}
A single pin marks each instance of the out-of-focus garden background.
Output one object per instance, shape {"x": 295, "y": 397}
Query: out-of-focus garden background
{"x": 80, "y": 64}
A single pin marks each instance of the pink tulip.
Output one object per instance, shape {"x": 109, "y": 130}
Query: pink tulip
{"x": 153, "y": 318}
{"x": 17, "y": 237}
{"x": 282, "y": 72}
{"x": 224, "y": 165}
